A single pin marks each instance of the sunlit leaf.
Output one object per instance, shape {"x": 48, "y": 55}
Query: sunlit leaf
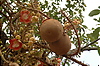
{"x": 90, "y": 36}
{"x": 95, "y": 33}
{"x": 94, "y": 12}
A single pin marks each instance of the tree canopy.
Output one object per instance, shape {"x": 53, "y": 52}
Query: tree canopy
{"x": 21, "y": 43}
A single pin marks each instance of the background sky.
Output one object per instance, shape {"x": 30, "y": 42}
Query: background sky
{"x": 90, "y": 57}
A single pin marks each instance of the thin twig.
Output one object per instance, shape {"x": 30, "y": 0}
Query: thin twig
{"x": 32, "y": 9}
{"x": 40, "y": 59}
{"x": 79, "y": 62}
{"x": 9, "y": 7}
{"x": 15, "y": 17}
{"x": 3, "y": 57}
{"x": 90, "y": 44}
{"x": 6, "y": 9}
{"x": 65, "y": 62}
{"x": 43, "y": 46}
{"x": 78, "y": 50}
{"x": 31, "y": 1}
{"x": 24, "y": 31}
{"x": 44, "y": 14}
{"x": 46, "y": 54}
{"x": 1, "y": 2}
{"x": 18, "y": 1}
{"x": 4, "y": 15}
{"x": 12, "y": 20}
{"x": 89, "y": 48}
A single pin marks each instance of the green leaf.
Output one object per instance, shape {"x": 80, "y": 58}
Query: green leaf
{"x": 94, "y": 12}
{"x": 68, "y": 63}
{"x": 95, "y": 19}
{"x": 99, "y": 51}
{"x": 95, "y": 33}
{"x": 98, "y": 20}
{"x": 84, "y": 26}
{"x": 99, "y": 7}
{"x": 90, "y": 36}
{"x": 46, "y": 4}
{"x": 93, "y": 36}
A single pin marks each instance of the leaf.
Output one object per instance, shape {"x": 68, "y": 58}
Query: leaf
{"x": 68, "y": 63}
{"x": 84, "y": 26}
{"x": 99, "y": 7}
{"x": 98, "y": 20}
{"x": 46, "y": 4}
{"x": 95, "y": 19}
{"x": 95, "y": 33}
{"x": 90, "y": 36}
{"x": 99, "y": 51}
{"x": 94, "y": 12}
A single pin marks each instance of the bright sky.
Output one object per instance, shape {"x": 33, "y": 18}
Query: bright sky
{"x": 90, "y": 57}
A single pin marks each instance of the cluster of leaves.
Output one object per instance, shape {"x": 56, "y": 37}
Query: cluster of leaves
{"x": 94, "y": 13}
{"x": 96, "y": 31}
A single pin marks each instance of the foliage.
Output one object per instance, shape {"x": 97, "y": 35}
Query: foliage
{"x": 21, "y": 20}
{"x": 94, "y": 12}
{"x": 96, "y": 32}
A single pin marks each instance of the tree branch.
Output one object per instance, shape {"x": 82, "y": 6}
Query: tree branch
{"x": 64, "y": 62}
{"x": 3, "y": 57}
{"x": 1, "y": 2}
{"x": 32, "y": 9}
{"x": 89, "y": 48}
{"x": 79, "y": 44}
{"x": 40, "y": 59}
{"x": 3, "y": 6}
{"x": 79, "y": 62}
{"x": 89, "y": 44}
{"x": 9, "y": 7}
{"x": 43, "y": 46}
{"x": 4, "y": 14}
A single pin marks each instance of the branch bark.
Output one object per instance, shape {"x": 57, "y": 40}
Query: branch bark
{"x": 40, "y": 59}
{"x": 90, "y": 44}
{"x": 79, "y": 44}
{"x": 89, "y": 48}
{"x": 32, "y": 9}
{"x": 1, "y": 2}
{"x": 3, "y": 57}
{"x": 3, "y": 6}
{"x": 4, "y": 15}
{"x": 79, "y": 62}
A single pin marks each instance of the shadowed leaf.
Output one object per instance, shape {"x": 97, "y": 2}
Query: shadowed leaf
{"x": 99, "y": 51}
